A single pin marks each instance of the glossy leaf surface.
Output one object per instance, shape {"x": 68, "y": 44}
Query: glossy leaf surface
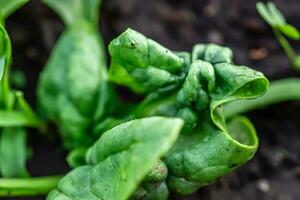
{"x": 194, "y": 87}
{"x": 119, "y": 160}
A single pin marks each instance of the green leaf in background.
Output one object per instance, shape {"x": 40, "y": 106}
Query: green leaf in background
{"x": 78, "y": 100}
{"x": 76, "y": 157}
{"x": 5, "y": 51}
{"x": 31, "y": 186}
{"x": 297, "y": 62}
{"x": 265, "y": 14}
{"x": 277, "y": 16}
{"x": 119, "y": 160}
{"x": 73, "y": 11}
{"x": 13, "y": 154}
{"x": 290, "y": 31}
{"x": 19, "y": 113}
{"x": 13, "y": 148}
{"x": 270, "y": 13}
{"x": 18, "y": 79}
{"x": 7, "y": 7}
{"x": 16, "y": 119}
{"x": 73, "y": 90}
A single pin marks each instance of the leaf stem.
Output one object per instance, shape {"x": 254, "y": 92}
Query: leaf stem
{"x": 285, "y": 45}
{"x": 10, "y": 187}
{"x": 32, "y": 116}
{"x": 5, "y": 80}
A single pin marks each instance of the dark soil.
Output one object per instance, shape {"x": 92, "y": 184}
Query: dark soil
{"x": 274, "y": 173}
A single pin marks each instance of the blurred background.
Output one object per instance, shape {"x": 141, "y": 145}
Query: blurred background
{"x": 274, "y": 173}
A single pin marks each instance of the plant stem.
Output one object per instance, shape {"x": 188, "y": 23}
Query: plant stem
{"x": 5, "y": 87}
{"x": 32, "y": 116}
{"x": 285, "y": 45}
{"x": 10, "y": 187}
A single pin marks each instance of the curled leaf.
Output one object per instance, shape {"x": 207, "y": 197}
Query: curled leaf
{"x": 279, "y": 91}
{"x": 208, "y": 147}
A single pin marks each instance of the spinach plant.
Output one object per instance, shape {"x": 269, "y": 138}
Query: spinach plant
{"x": 15, "y": 112}
{"x": 270, "y": 13}
{"x": 280, "y": 90}
{"x": 191, "y": 86}
{"x": 177, "y": 139}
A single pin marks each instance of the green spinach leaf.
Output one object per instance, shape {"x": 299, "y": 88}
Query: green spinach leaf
{"x": 119, "y": 160}
{"x": 193, "y": 87}
{"x": 7, "y": 7}
{"x": 72, "y": 11}
{"x": 5, "y": 51}
{"x": 276, "y": 19}
{"x": 272, "y": 15}
{"x": 73, "y": 90}
{"x": 15, "y": 112}
{"x": 13, "y": 152}
{"x": 141, "y": 63}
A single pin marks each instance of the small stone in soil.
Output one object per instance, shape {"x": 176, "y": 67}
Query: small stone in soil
{"x": 263, "y": 185}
